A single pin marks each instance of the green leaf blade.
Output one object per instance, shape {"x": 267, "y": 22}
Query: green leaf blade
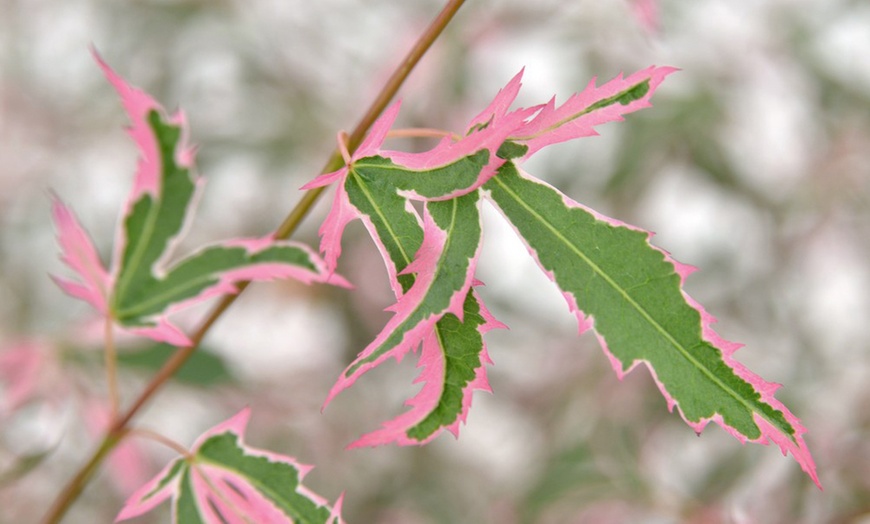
{"x": 141, "y": 293}
{"x": 464, "y": 355}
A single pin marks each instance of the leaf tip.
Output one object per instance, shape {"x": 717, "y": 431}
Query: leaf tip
{"x": 793, "y": 444}
{"x": 335, "y": 513}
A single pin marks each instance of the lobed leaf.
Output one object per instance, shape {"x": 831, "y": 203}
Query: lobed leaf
{"x": 376, "y": 185}
{"x": 144, "y": 294}
{"x": 225, "y": 481}
{"x": 143, "y": 289}
{"x": 631, "y": 293}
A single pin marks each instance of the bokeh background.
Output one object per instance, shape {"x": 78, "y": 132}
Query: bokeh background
{"x": 753, "y": 164}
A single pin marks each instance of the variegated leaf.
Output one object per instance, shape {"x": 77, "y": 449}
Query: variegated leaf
{"x": 225, "y": 481}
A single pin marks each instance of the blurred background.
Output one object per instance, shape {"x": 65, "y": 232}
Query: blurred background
{"x": 753, "y": 165}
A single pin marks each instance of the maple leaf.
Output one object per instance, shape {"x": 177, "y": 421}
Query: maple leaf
{"x": 629, "y": 291}
{"x": 142, "y": 289}
{"x": 431, "y": 264}
{"x": 223, "y": 481}
{"x": 613, "y": 279}
{"x": 430, "y": 261}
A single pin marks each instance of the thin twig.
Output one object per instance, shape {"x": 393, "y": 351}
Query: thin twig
{"x": 119, "y": 429}
{"x": 162, "y": 439}
{"x": 422, "y": 132}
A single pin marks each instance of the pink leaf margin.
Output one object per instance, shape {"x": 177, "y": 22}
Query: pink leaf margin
{"x": 796, "y": 445}
{"x": 493, "y": 114}
{"x": 491, "y": 137}
{"x": 370, "y": 146}
{"x": 433, "y": 364}
{"x": 342, "y": 211}
{"x": 535, "y": 127}
{"x": 331, "y": 230}
{"x": 162, "y": 331}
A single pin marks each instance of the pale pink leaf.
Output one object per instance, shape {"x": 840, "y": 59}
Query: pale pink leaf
{"x": 78, "y": 252}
